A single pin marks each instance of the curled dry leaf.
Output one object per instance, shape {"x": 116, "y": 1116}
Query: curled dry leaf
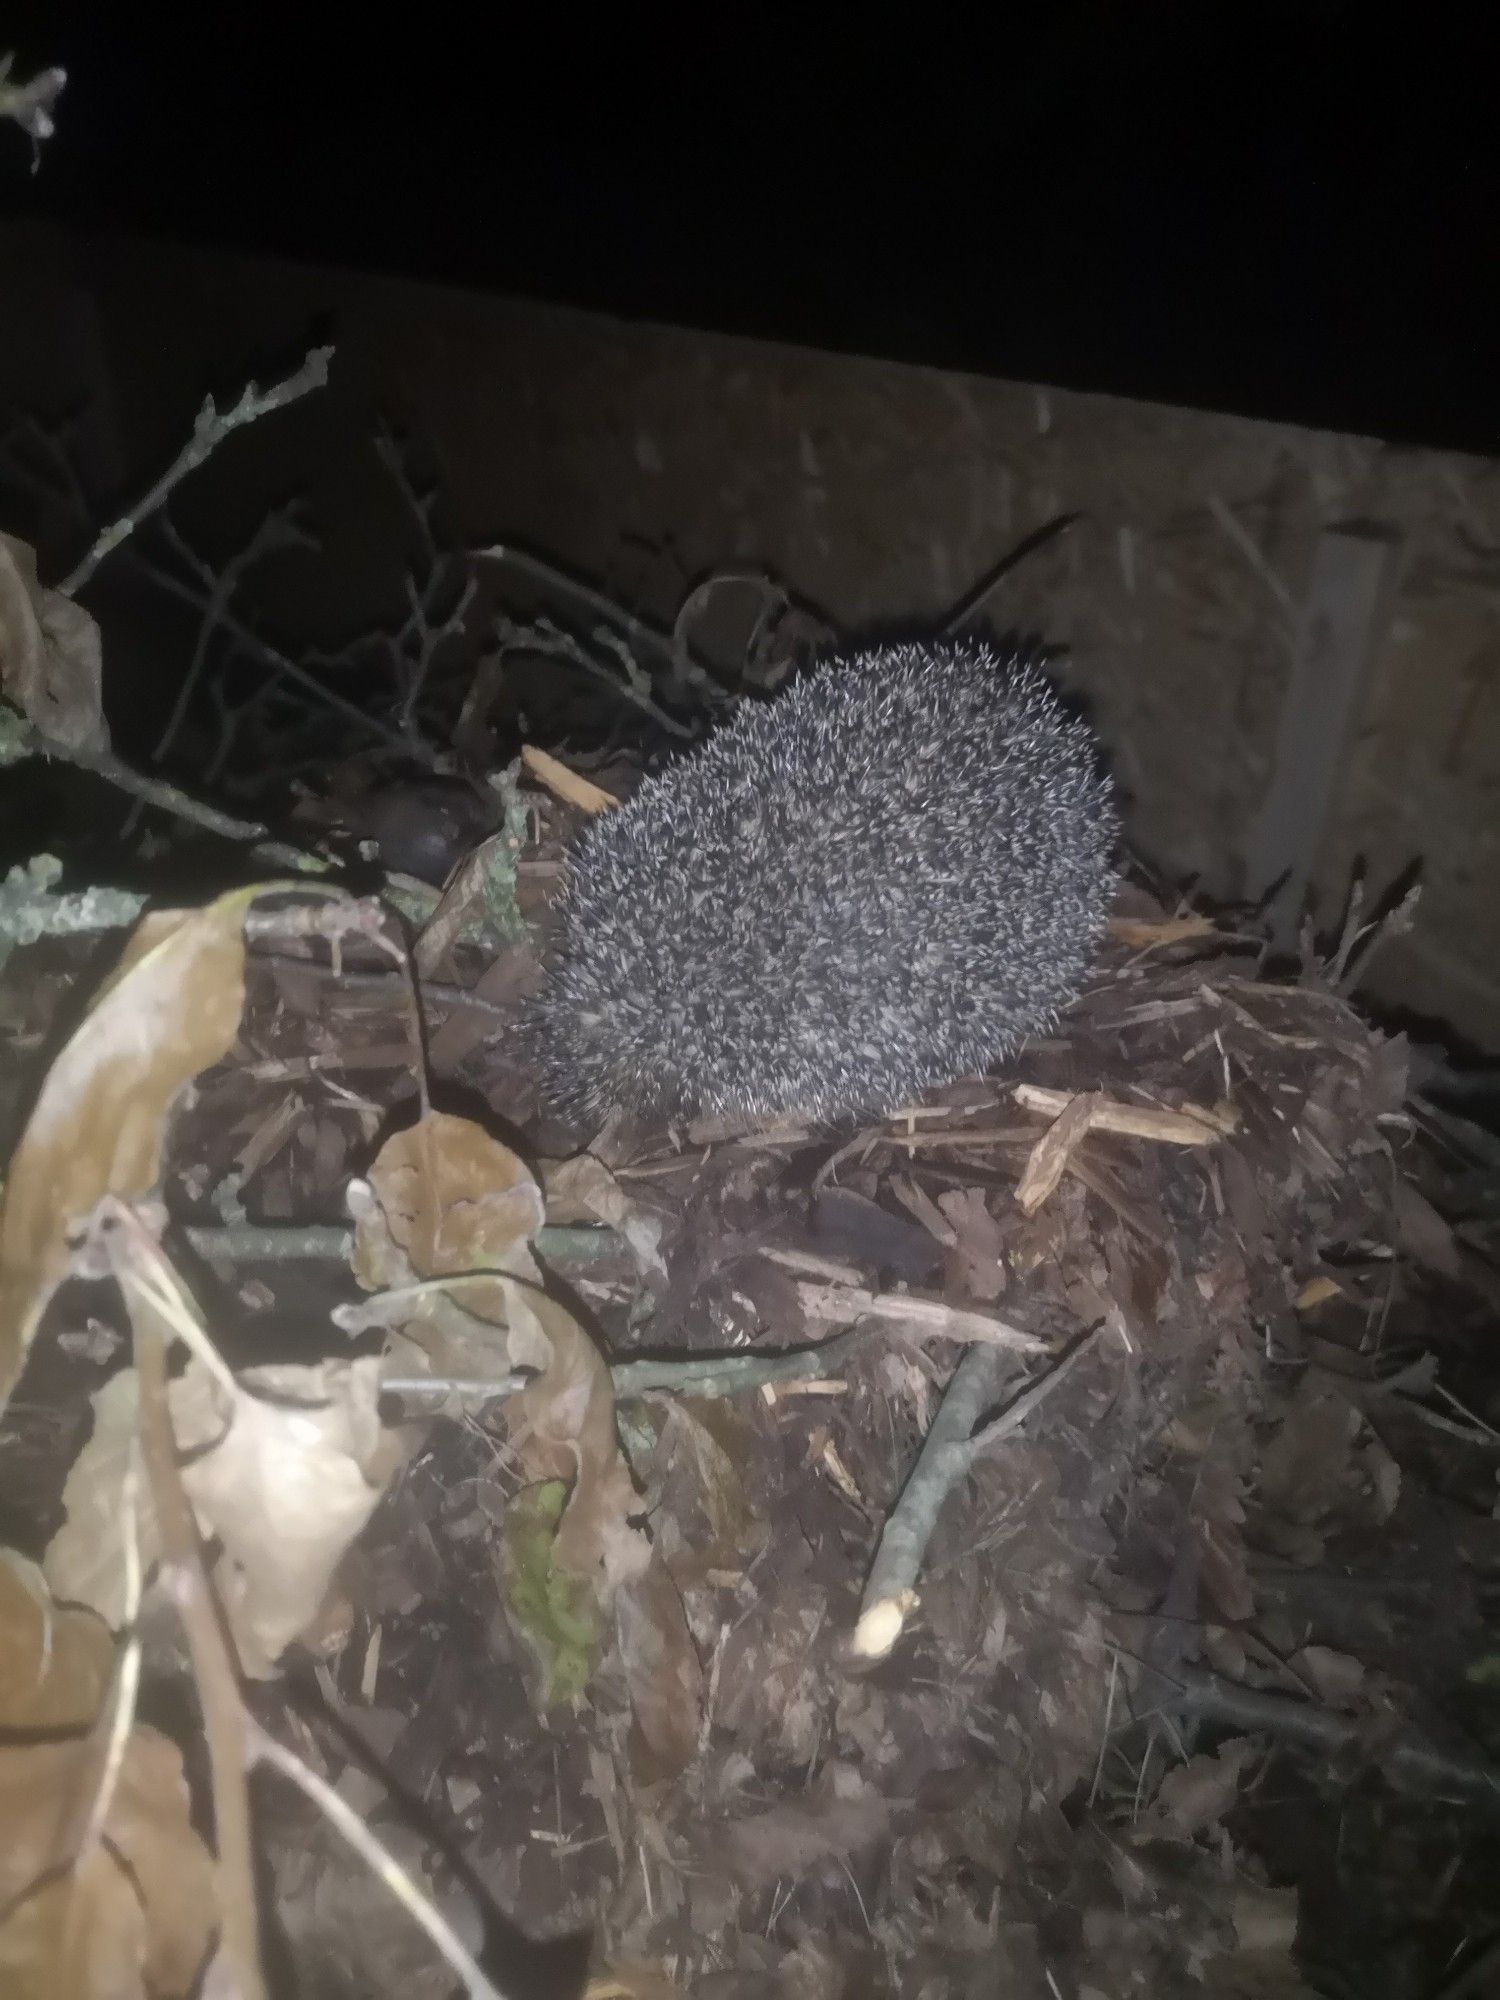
{"x": 85, "y": 1560}
{"x": 284, "y": 1480}
{"x": 664, "y": 1673}
{"x": 451, "y": 1202}
{"x": 840, "y": 1814}
{"x": 1194, "y": 1798}
{"x": 132, "y": 1917}
{"x": 131, "y": 1914}
{"x": 170, "y": 1009}
{"x": 55, "y": 1660}
{"x": 51, "y": 663}
{"x": 584, "y": 1187}
{"x": 450, "y": 1199}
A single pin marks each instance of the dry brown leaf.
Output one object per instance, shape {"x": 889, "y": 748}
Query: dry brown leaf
{"x": 171, "y": 1008}
{"x": 284, "y": 1480}
{"x": 698, "y": 1474}
{"x": 840, "y": 1814}
{"x": 584, "y": 1187}
{"x": 1306, "y": 1464}
{"x": 1194, "y": 1798}
{"x": 450, "y": 1199}
{"x": 85, "y": 1560}
{"x": 55, "y": 1661}
{"x": 131, "y": 1920}
{"x": 979, "y": 1241}
{"x": 1338, "y": 1679}
{"x": 1423, "y": 1234}
{"x": 563, "y": 1427}
{"x": 664, "y": 1674}
{"x": 51, "y": 663}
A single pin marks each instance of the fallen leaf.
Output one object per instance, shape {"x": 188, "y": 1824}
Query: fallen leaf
{"x": 56, "y": 1661}
{"x": 585, "y": 1187}
{"x": 85, "y": 1561}
{"x": 450, "y": 1199}
{"x": 1194, "y": 1798}
{"x": 133, "y": 1918}
{"x": 171, "y": 1008}
{"x": 283, "y": 1478}
{"x": 664, "y": 1674}
{"x": 51, "y": 664}
{"x": 839, "y": 1815}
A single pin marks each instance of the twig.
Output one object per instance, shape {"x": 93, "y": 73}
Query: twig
{"x": 127, "y": 1671}
{"x": 971, "y": 600}
{"x": 284, "y": 668}
{"x": 543, "y": 637}
{"x": 889, "y": 1597}
{"x": 247, "y": 1243}
{"x": 640, "y": 630}
{"x": 947, "y": 1455}
{"x": 278, "y": 530}
{"x": 382, "y": 1863}
{"x": 224, "y": 1718}
{"x": 1420, "y": 1762}
{"x": 210, "y": 429}
{"x": 167, "y": 798}
{"x": 928, "y": 1318}
{"x": 732, "y": 1374}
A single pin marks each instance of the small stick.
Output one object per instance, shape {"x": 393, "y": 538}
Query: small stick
{"x": 376, "y": 1857}
{"x": 210, "y": 429}
{"x": 948, "y": 1453}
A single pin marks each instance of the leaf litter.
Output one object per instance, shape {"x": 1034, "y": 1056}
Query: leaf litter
{"x": 580, "y": 1651}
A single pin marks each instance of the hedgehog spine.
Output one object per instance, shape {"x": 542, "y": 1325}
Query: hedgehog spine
{"x": 878, "y": 882}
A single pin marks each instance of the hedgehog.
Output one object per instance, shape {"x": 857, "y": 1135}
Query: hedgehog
{"x": 876, "y": 883}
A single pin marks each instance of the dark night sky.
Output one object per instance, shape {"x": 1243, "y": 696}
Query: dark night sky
{"x": 1281, "y": 210}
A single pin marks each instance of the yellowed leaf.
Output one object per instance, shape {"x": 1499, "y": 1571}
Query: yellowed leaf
{"x": 171, "y": 1009}
{"x": 55, "y": 1662}
{"x": 133, "y": 1918}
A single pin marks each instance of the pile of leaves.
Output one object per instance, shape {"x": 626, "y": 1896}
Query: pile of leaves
{"x": 996, "y": 1551}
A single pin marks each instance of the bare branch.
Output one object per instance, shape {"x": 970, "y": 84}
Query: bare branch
{"x": 209, "y": 432}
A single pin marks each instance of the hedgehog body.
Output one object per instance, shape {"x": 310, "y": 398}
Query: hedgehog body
{"x": 878, "y": 882}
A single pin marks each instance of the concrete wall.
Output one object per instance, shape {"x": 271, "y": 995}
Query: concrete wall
{"x": 1206, "y": 577}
